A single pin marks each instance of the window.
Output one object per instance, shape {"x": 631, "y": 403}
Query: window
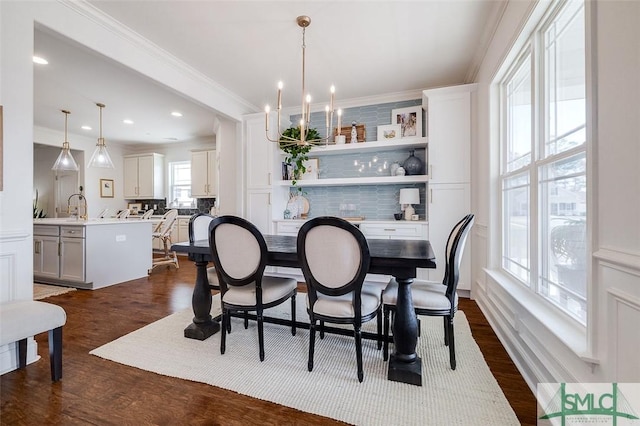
{"x": 180, "y": 184}
{"x": 544, "y": 168}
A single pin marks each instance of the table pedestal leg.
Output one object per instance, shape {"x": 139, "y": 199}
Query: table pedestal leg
{"x": 203, "y": 325}
{"x": 404, "y": 364}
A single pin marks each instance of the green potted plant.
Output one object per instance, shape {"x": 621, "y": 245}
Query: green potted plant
{"x": 296, "y": 154}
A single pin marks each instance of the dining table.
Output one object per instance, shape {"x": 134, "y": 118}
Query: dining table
{"x": 397, "y": 258}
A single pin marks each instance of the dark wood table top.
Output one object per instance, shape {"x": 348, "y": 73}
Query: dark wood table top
{"x": 399, "y": 258}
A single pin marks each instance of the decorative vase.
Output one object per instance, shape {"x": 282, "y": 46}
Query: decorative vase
{"x": 394, "y": 168}
{"x": 400, "y": 171}
{"x": 354, "y": 132}
{"x": 412, "y": 165}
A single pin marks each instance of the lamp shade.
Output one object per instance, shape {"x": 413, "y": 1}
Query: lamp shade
{"x": 409, "y": 196}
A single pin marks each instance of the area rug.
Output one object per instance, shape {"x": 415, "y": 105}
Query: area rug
{"x": 42, "y": 291}
{"x": 468, "y": 395}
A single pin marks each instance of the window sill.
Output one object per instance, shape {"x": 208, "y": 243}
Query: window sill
{"x": 572, "y": 334}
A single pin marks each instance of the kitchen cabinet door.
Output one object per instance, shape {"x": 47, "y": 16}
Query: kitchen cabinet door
{"x": 72, "y": 262}
{"x": 130, "y": 177}
{"x": 448, "y": 203}
{"x": 46, "y": 260}
{"x": 259, "y": 210}
{"x": 204, "y": 174}
{"x": 260, "y": 152}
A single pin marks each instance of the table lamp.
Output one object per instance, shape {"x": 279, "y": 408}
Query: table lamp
{"x": 409, "y": 196}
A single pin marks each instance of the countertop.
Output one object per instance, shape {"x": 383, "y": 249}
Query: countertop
{"x": 65, "y": 221}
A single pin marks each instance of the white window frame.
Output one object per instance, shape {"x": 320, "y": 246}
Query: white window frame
{"x": 532, "y": 48}
{"x": 170, "y": 201}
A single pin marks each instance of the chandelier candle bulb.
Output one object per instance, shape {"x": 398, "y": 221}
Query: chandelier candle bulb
{"x": 326, "y": 113}
{"x": 266, "y": 117}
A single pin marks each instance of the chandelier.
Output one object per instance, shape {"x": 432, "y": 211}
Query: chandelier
{"x": 100, "y": 157}
{"x": 65, "y": 161}
{"x": 302, "y": 137}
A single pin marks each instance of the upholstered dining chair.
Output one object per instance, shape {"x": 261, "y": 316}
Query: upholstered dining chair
{"x": 199, "y": 230}
{"x": 335, "y": 259}
{"x": 239, "y": 254}
{"x": 162, "y": 232}
{"x": 432, "y": 298}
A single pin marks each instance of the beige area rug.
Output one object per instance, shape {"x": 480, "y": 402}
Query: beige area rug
{"x": 469, "y": 395}
{"x": 42, "y": 291}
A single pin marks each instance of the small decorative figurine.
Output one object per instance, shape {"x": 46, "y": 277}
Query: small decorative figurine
{"x": 354, "y": 132}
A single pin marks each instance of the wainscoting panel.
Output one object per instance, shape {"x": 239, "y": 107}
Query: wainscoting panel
{"x": 624, "y": 346}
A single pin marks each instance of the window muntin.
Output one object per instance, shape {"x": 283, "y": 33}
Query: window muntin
{"x": 544, "y": 211}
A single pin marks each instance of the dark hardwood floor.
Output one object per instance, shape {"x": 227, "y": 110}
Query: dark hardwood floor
{"x": 97, "y": 391}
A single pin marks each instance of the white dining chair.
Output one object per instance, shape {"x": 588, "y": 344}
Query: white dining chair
{"x": 162, "y": 233}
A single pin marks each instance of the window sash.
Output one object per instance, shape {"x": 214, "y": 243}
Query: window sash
{"x": 546, "y": 194}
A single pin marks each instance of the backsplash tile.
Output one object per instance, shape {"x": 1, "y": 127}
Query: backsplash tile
{"x": 374, "y": 202}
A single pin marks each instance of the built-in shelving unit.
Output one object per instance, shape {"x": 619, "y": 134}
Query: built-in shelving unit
{"x": 370, "y": 180}
{"x": 392, "y": 145}
{"x": 353, "y": 148}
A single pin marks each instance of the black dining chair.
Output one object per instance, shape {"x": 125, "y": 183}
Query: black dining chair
{"x": 335, "y": 260}
{"x": 199, "y": 230}
{"x": 432, "y": 298}
{"x": 239, "y": 254}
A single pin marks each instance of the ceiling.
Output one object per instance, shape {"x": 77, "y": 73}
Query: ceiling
{"x": 364, "y": 48}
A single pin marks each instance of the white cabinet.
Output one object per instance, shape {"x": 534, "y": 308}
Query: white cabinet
{"x": 449, "y": 200}
{"x": 59, "y": 253}
{"x": 46, "y": 243}
{"x": 72, "y": 253}
{"x": 262, "y": 171}
{"x": 204, "y": 174}
{"x": 143, "y": 176}
{"x": 399, "y": 230}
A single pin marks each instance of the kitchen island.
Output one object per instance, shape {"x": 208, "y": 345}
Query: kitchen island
{"x": 90, "y": 254}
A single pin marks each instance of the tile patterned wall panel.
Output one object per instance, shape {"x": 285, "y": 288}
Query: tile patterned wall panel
{"x": 374, "y": 202}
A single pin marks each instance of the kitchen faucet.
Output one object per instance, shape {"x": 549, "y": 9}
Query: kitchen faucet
{"x": 86, "y": 207}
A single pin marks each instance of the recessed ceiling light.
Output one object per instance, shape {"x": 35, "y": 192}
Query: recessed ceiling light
{"x": 40, "y": 60}
{"x": 127, "y": 121}
{"x": 176, "y": 114}
{"x": 85, "y": 127}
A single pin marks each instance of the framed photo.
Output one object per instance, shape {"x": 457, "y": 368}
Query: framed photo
{"x": 409, "y": 119}
{"x": 388, "y": 132}
{"x": 106, "y": 188}
{"x": 312, "y": 169}
{"x": 134, "y": 208}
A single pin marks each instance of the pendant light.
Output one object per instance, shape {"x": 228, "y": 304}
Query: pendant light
{"x": 65, "y": 161}
{"x": 100, "y": 157}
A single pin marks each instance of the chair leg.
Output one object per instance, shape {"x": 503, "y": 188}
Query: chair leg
{"x": 446, "y": 331}
{"x": 21, "y": 349}
{"x": 293, "y": 314}
{"x": 228, "y": 322}
{"x": 223, "y": 329}
{"x": 312, "y": 343}
{"x": 321, "y": 329}
{"x": 358, "y": 336}
{"x": 452, "y": 344}
{"x": 379, "y": 319}
{"x": 260, "y": 334}
{"x": 55, "y": 353}
{"x": 386, "y": 334}
{"x": 246, "y": 320}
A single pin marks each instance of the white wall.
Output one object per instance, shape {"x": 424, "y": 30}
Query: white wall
{"x": 543, "y": 351}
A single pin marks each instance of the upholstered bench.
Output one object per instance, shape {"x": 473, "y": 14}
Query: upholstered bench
{"x": 22, "y": 319}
